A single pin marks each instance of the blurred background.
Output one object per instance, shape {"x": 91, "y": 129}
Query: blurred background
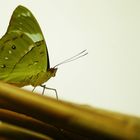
{"x": 109, "y": 76}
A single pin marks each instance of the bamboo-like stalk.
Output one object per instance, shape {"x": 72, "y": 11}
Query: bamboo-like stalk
{"x": 87, "y": 122}
{"x": 27, "y": 122}
{"x": 14, "y": 132}
{"x": 30, "y": 123}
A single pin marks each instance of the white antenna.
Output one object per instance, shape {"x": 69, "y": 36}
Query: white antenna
{"x": 77, "y": 56}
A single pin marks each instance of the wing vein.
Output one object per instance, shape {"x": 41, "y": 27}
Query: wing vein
{"x": 35, "y": 45}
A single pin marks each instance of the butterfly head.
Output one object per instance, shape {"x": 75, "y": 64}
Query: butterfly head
{"x": 52, "y": 71}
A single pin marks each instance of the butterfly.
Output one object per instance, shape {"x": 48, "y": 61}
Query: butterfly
{"x": 24, "y": 58}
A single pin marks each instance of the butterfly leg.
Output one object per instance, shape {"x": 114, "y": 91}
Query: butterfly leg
{"x": 44, "y": 87}
{"x": 33, "y": 89}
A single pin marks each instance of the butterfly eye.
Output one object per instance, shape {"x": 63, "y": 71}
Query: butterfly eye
{"x": 13, "y": 47}
{"x": 3, "y": 66}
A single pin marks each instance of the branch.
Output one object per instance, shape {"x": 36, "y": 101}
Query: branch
{"x": 63, "y": 119}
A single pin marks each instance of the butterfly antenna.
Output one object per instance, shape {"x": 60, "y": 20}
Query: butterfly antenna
{"x": 77, "y": 56}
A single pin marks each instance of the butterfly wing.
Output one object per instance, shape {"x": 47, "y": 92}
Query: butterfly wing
{"x": 24, "y": 21}
{"x": 23, "y": 51}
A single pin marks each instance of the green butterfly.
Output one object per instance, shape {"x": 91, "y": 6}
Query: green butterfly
{"x": 24, "y": 58}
